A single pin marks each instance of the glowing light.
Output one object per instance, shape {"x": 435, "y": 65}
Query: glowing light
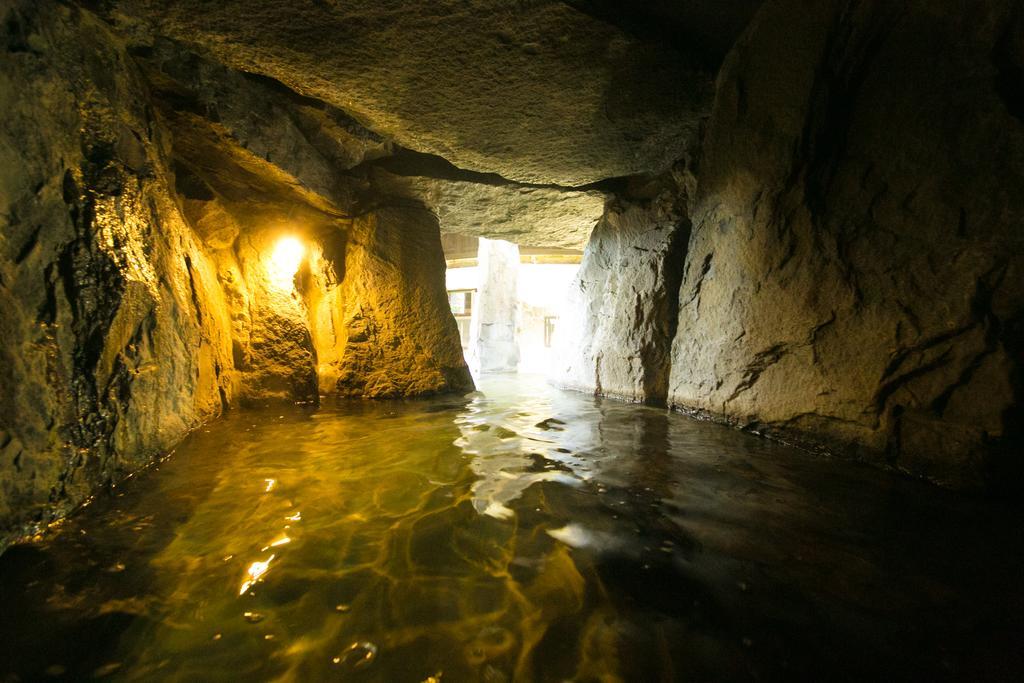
{"x": 255, "y": 573}
{"x": 277, "y": 542}
{"x": 285, "y": 261}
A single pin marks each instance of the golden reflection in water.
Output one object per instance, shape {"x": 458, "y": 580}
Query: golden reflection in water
{"x": 421, "y": 549}
{"x": 255, "y": 572}
{"x": 517, "y": 536}
{"x": 277, "y": 542}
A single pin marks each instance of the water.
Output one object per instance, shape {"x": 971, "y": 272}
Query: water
{"x": 520, "y": 534}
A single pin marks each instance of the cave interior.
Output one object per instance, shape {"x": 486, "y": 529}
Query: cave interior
{"x": 799, "y": 225}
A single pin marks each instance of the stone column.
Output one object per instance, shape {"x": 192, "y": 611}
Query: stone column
{"x": 616, "y": 336}
{"x": 398, "y": 335}
{"x": 493, "y": 346}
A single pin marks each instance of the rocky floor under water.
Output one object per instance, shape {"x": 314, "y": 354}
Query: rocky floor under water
{"x": 522, "y": 533}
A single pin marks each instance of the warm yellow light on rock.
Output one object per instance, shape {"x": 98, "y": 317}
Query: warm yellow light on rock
{"x": 285, "y": 261}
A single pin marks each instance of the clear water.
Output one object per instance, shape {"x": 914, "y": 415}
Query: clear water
{"x": 519, "y": 534}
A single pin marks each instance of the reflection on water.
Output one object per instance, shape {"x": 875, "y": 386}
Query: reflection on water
{"x": 519, "y": 534}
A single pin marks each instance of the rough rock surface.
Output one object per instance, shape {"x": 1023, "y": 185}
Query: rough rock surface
{"x": 522, "y": 214}
{"x": 855, "y": 278}
{"x": 363, "y": 320}
{"x": 270, "y": 130}
{"x": 139, "y": 206}
{"x": 328, "y": 160}
{"x": 397, "y": 331}
{"x": 537, "y": 92}
{"x": 112, "y": 321}
{"x": 273, "y": 346}
{"x": 616, "y": 338}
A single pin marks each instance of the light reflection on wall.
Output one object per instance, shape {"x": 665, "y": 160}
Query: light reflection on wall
{"x": 285, "y": 261}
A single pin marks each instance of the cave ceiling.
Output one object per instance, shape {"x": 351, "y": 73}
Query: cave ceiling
{"x": 541, "y": 96}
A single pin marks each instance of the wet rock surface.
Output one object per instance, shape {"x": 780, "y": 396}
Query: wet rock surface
{"x": 856, "y": 270}
{"x": 113, "y": 325}
{"x": 142, "y": 193}
{"x": 617, "y": 336}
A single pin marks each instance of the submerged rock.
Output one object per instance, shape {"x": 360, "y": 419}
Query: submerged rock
{"x": 357, "y": 656}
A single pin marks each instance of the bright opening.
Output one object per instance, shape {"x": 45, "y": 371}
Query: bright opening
{"x": 509, "y": 302}
{"x": 285, "y": 261}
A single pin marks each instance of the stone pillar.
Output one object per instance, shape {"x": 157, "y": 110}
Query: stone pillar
{"x": 616, "y": 336}
{"x": 397, "y": 334}
{"x": 493, "y": 346}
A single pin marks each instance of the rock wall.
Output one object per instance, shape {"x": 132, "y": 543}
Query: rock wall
{"x": 397, "y": 331}
{"x": 361, "y": 318}
{"x": 112, "y": 320}
{"x": 276, "y": 358}
{"x": 142, "y": 191}
{"x": 616, "y": 337}
{"x": 855, "y": 276}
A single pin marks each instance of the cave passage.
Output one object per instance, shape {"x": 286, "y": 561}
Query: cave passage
{"x": 477, "y": 340}
{"x": 520, "y": 533}
{"x": 510, "y": 303}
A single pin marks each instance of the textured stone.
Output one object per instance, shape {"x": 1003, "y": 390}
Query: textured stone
{"x": 113, "y": 325}
{"x": 397, "y": 335}
{"x": 246, "y": 158}
{"x": 362, "y": 318}
{"x": 522, "y": 214}
{"x": 304, "y": 141}
{"x": 616, "y": 336}
{"x": 233, "y": 125}
{"x": 274, "y": 350}
{"x": 855, "y": 276}
{"x": 536, "y": 92}
{"x": 138, "y": 211}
